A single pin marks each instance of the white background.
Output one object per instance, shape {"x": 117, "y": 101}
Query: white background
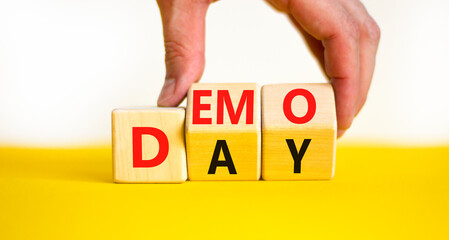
{"x": 65, "y": 64}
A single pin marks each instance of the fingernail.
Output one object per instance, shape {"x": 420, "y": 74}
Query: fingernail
{"x": 167, "y": 92}
{"x": 340, "y": 133}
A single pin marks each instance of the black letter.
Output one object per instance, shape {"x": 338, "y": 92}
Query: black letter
{"x": 297, "y": 156}
{"x": 221, "y": 144}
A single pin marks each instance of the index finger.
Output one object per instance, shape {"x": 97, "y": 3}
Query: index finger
{"x": 329, "y": 22}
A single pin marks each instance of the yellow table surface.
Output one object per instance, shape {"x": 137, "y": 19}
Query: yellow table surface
{"x": 378, "y": 192}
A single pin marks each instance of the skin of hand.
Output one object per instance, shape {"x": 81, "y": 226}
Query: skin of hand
{"x": 340, "y": 33}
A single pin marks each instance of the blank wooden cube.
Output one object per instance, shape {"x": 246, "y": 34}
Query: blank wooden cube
{"x": 298, "y": 131}
{"x": 148, "y": 145}
{"x": 223, "y": 131}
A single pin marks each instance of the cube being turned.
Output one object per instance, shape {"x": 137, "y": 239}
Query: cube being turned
{"x": 148, "y": 145}
{"x": 223, "y": 131}
{"x": 299, "y": 131}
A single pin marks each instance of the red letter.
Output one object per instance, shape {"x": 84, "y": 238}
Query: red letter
{"x": 224, "y": 98}
{"x": 197, "y": 107}
{"x": 138, "y": 162}
{"x": 311, "y": 108}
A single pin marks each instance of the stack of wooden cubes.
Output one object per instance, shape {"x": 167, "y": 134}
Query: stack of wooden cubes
{"x": 229, "y": 132}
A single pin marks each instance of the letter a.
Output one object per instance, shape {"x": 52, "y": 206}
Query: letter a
{"x": 221, "y": 144}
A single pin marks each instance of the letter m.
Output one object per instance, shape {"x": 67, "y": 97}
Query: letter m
{"x": 224, "y": 98}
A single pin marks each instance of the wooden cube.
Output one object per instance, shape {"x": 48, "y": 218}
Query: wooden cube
{"x": 223, "y": 131}
{"x": 148, "y": 145}
{"x": 298, "y": 132}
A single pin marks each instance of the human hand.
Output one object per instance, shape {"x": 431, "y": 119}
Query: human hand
{"x": 340, "y": 33}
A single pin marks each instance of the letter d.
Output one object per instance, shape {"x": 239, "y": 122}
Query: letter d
{"x": 162, "y": 139}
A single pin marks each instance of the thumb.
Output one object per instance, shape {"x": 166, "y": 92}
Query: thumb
{"x": 184, "y": 26}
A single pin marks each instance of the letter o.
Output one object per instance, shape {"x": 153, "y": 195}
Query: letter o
{"x": 311, "y": 106}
